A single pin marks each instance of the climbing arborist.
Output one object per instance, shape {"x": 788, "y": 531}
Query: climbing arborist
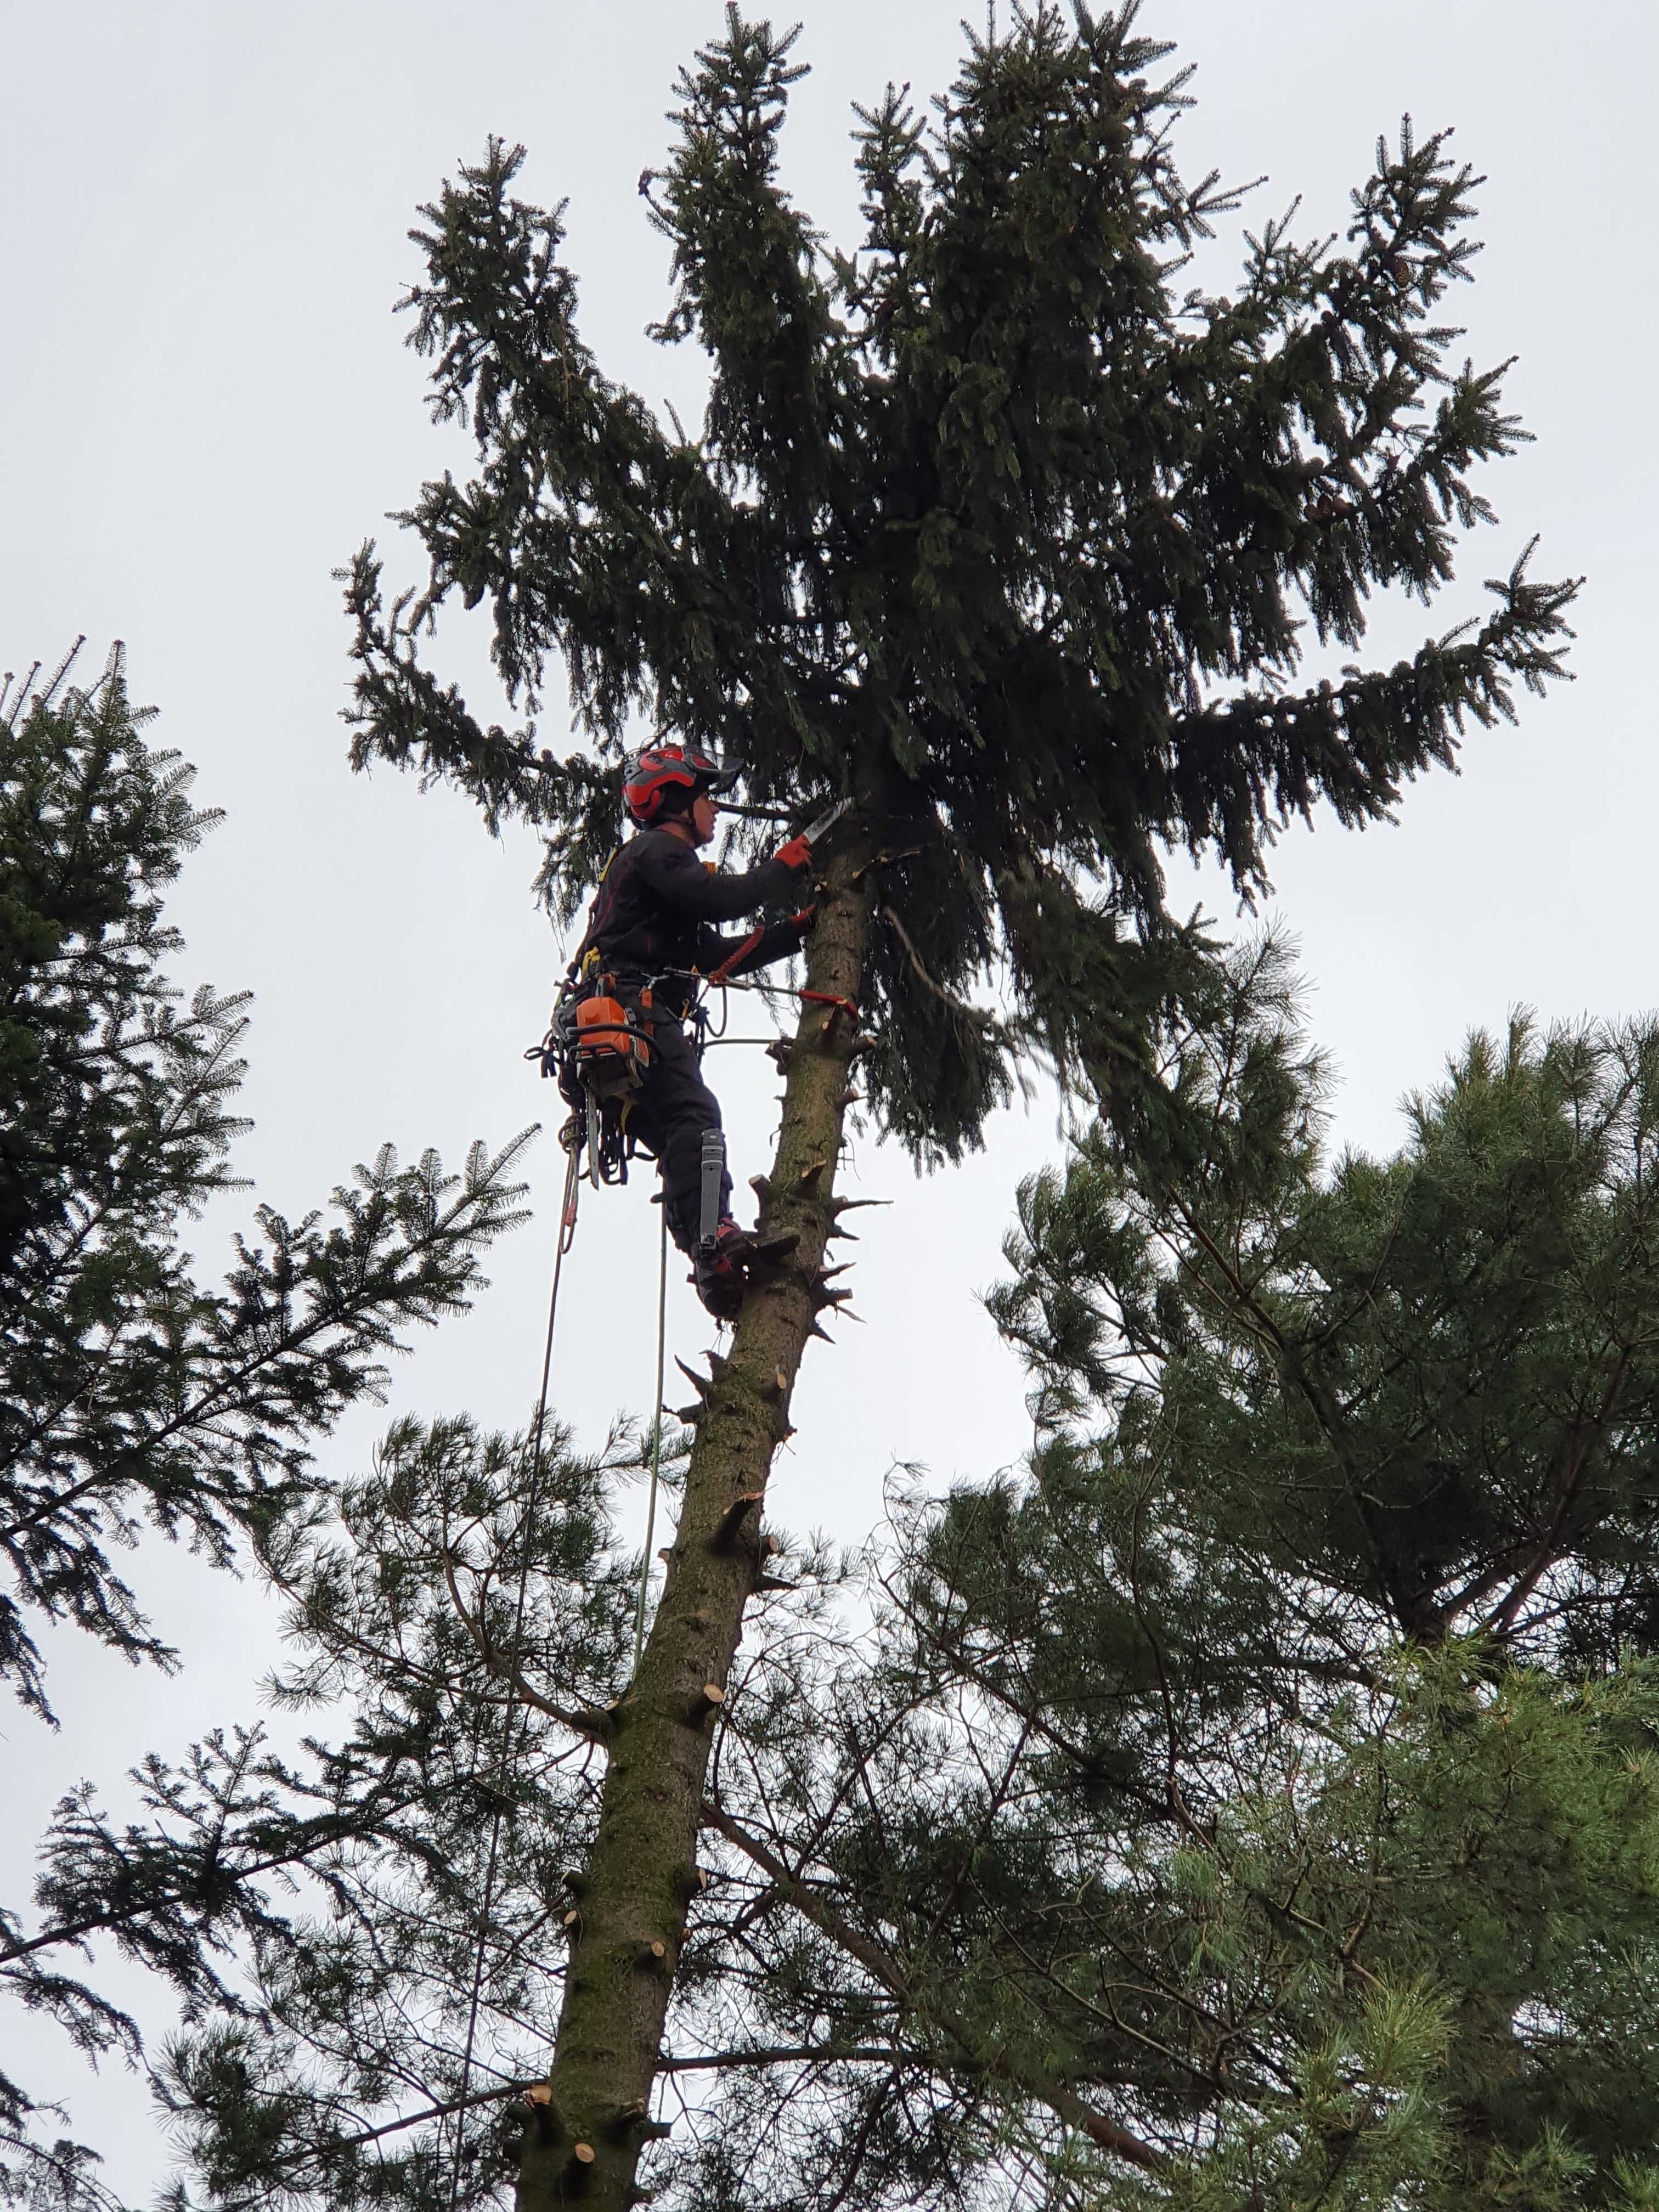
{"x": 652, "y": 930}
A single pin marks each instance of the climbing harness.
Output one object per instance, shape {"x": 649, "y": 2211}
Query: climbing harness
{"x": 597, "y": 1048}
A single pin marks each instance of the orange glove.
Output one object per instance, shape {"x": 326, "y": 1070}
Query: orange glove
{"x": 797, "y": 853}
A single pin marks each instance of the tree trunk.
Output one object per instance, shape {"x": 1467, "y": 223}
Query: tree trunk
{"x": 630, "y": 1906}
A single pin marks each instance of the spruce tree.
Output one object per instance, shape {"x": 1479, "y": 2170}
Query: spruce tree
{"x": 992, "y": 529}
{"x": 135, "y": 1395}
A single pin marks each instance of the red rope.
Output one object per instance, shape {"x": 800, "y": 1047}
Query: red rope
{"x": 721, "y": 974}
{"x": 829, "y": 998}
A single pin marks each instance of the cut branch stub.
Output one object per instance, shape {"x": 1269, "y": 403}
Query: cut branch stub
{"x": 731, "y": 1521}
{"x": 703, "y": 1384}
{"x": 539, "y": 2121}
{"x": 634, "y": 2119}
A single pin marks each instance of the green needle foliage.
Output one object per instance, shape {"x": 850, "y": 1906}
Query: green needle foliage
{"x": 1306, "y": 1677}
{"x": 133, "y": 1394}
{"x": 128, "y": 1393}
{"x": 1250, "y": 1801}
{"x": 315, "y": 1916}
{"x": 990, "y": 524}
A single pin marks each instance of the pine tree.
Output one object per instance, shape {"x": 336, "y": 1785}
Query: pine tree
{"x": 992, "y": 529}
{"x": 133, "y": 1395}
{"x": 1301, "y": 1698}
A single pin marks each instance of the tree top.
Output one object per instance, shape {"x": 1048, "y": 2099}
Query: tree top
{"x": 990, "y": 524}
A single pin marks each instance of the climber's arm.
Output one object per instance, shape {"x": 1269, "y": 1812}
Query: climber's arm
{"x": 722, "y": 958}
{"x": 777, "y": 941}
{"x": 674, "y": 874}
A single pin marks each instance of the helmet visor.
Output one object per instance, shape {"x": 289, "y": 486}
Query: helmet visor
{"x": 706, "y": 767}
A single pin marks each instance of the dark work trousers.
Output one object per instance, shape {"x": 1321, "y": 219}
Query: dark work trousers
{"x": 669, "y": 1114}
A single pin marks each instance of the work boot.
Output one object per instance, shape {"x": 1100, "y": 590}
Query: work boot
{"x": 719, "y": 1274}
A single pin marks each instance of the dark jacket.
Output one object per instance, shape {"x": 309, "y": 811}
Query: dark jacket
{"x": 657, "y": 908}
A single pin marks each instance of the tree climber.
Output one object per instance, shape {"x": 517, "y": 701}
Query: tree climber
{"x": 652, "y": 928}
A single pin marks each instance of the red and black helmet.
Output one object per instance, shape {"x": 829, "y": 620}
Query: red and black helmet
{"x": 670, "y": 766}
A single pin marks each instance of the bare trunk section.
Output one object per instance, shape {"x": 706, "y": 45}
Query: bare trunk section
{"x": 629, "y": 1907}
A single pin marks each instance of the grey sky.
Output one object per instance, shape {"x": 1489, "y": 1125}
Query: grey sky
{"x": 205, "y": 404}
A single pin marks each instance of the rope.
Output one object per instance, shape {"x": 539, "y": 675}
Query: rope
{"x": 566, "y": 1237}
{"x": 656, "y": 1441}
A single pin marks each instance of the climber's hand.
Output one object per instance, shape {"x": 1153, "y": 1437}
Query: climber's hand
{"x": 797, "y": 853}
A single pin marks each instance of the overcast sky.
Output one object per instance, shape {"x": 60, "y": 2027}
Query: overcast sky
{"x": 205, "y": 405}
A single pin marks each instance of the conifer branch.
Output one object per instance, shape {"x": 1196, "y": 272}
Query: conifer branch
{"x": 869, "y": 1956}
{"x": 593, "y": 1724}
{"x": 1064, "y": 2102}
{"x": 806, "y": 2054}
{"x": 977, "y": 1015}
